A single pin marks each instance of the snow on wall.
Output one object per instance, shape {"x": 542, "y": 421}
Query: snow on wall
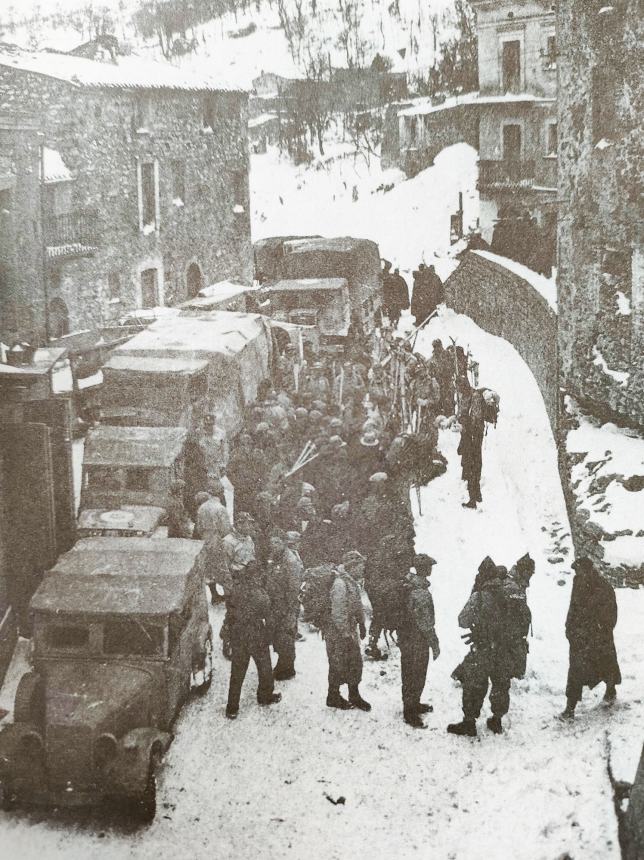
{"x": 503, "y": 297}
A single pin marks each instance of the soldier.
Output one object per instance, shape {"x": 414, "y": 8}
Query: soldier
{"x": 238, "y": 545}
{"x": 248, "y": 619}
{"x": 178, "y": 521}
{"x": 591, "y": 619}
{"x": 211, "y": 526}
{"x": 416, "y": 635}
{"x": 283, "y": 582}
{"x": 490, "y": 659}
{"x": 344, "y": 624}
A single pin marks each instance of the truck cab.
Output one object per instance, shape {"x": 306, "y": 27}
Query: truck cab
{"x": 127, "y": 475}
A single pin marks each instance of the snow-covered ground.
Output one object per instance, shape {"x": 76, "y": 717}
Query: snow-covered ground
{"x": 410, "y": 222}
{"x": 259, "y": 787}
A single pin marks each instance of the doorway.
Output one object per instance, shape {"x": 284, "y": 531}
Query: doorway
{"x": 512, "y": 142}
{"x": 511, "y": 67}
{"x": 194, "y": 280}
{"x": 149, "y": 288}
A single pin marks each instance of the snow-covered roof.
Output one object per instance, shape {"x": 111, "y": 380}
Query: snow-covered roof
{"x": 547, "y": 287}
{"x": 425, "y": 106}
{"x": 130, "y": 72}
{"x": 55, "y": 169}
{"x": 262, "y": 119}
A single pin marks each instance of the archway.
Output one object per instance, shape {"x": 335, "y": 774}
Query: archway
{"x": 58, "y": 318}
{"x": 194, "y": 280}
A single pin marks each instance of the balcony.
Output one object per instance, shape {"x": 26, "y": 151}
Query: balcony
{"x": 506, "y": 174}
{"x": 72, "y": 234}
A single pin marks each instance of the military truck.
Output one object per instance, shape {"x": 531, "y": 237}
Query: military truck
{"x": 121, "y": 638}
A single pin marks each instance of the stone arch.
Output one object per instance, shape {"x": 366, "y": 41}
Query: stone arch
{"x": 194, "y": 280}
{"x": 58, "y": 318}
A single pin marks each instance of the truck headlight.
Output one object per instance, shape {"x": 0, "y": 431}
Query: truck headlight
{"x": 105, "y": 749}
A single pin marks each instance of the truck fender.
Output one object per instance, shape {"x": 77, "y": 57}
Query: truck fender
{"x": 129, "y": 772}
{"x": 30, "y": 699}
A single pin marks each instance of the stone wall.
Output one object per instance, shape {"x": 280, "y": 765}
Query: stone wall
{"x": 21, "y": 248}
{"x": 508, "y": 306}
{"x": 102, "y": 140}
{"x": 601, "y": 271}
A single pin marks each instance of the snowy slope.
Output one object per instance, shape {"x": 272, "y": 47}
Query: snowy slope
{"x": 405, "y": 36}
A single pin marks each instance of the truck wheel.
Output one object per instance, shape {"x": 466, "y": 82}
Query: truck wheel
{"x": 202, "y": 678}
{"x": 7, "y": 797}
{"x": 148, "y": 800}
{"x": 29, "y": 699}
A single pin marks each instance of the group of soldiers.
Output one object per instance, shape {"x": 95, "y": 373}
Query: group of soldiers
{"x": 321, "y": 475}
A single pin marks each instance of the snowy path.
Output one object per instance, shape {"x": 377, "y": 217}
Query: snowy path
{"x": 256, "y": 788}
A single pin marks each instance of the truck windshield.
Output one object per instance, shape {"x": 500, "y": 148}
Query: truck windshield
{"x": 67, "y": 636}
{"x": 132, "y": 636}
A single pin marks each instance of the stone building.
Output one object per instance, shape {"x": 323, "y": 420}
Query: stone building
{"x": 144, "y": 195}
{"x": 511, "y": 120}
{"x": 601, "y": 284}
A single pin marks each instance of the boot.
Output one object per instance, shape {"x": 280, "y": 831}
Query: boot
{"x": 335, "y": 700}
{"x": 273, "y": 699}
{"x": 374, "y": 653}
{"x": 283, "y": 672}
{"x": 567, "y": 715}
{"x": 494, "y": 725}
{"x": 466, "y": 727}
{"x": 424, "y": 708}
{"x": 470, "y": 504}
{"x": 231, "y": 713}
{"x": 412, "y": 719}
{"x": 611, "y": 694}
{"x": 357, "y": 701}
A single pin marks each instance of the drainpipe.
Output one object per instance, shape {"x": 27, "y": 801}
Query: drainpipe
{"x": 45, "y": 280}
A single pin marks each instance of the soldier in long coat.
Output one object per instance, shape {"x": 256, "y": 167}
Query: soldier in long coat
{"x": 283, "y": 582}
{"x": 592, "y": 617}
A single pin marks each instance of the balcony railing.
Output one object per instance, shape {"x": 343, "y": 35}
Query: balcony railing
{"x": 506, "y": 174}
{"x": 71, "y": 233}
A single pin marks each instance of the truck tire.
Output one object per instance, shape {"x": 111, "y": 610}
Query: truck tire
{"x": 29, "y": 701}
{"x": 148, "y": 799}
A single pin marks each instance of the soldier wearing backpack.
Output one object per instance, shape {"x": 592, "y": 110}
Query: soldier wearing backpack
{"x": 249, "y": 618}
{"x": 491, "y": 658}
{"x": 343, "y": 628}
{"x": 416, "y": 635}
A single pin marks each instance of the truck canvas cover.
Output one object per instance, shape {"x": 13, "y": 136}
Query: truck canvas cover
{"x": 133, "y": 446}
{"x": 114, "y": 576}
{"x": 237, "y": 347}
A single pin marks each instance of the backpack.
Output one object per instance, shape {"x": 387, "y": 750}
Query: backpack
{"x": 491, "y": 403}
{"x": 315, "y": 594}
{"x": 394, "y": 608}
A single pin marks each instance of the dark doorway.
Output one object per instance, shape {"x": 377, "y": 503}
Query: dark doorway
{"x": 512, "y": 142}
{"x": 149, "y": 297}
{"x": 58, "y": 318}
{"x": 511, "y": 67}
{"x": 194, "y": 280}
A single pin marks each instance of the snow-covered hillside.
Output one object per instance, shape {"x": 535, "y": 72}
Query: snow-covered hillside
{"x": 281, "y": 36}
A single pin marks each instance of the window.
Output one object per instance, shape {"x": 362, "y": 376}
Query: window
{"x": 148, "y": 175}
{"x": 67, "y": 636}
{"x": 178, "y": 183}
{"x": 132, "y": 637}
{"x": 550, "y": 54}
{"x": 149, "y": 288}
{"x": 113, "y": 286}
{"x": 551, "y": 139}
{"x": 208, "y": 114}
{"x": 5, "y": 201}
{"x": 143, "y": 113}
{"x": 511, "y": 67}
{"x": 194, "y": 280}
{"x": 55, "y": 280}
{"x": 137, "y": 479}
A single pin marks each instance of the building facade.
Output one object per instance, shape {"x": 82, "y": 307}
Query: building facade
{"x": 601, "y": 279}
{"x": 143, "y": 197}
{"x": 511, "y": 120}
